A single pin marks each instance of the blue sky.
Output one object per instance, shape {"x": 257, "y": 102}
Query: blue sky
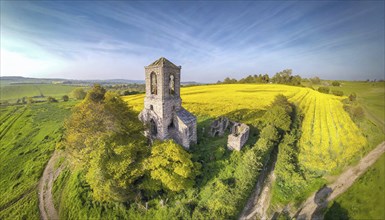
{"x": 210, "y": 40}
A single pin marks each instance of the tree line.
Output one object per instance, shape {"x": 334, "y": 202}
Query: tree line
{"x": 284, "y": 77}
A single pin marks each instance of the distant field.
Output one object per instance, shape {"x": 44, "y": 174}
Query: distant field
{"x": 330, "y": 139}
{"x": 28, "y": 136}
{"x": 370, "y": 94}
{"x": 14, "y": 92}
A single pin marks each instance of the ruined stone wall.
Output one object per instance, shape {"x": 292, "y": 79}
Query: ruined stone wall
{"x": 238, "y": 137}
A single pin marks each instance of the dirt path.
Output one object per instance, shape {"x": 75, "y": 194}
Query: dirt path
{"x": 46, "y": 204}
{"x": 315, "y": 205}
{"x": 259, "y": 200}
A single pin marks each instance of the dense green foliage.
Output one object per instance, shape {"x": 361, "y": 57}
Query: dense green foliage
{"x": 286, "y": 77}
{"x": 103, "y": 135}
{"x": 171, "y": 165}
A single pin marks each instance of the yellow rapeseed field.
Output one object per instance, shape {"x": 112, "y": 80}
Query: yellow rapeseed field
{"x": 329, "y": 137}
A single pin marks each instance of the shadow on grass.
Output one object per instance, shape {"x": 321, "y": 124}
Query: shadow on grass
{"x": 336, "y": 211}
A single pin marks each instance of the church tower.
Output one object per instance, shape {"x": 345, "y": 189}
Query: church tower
{"x": 162, "y": 112}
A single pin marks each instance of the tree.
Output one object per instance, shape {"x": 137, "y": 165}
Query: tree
{"x": 65, "y": 98}
{"x": 285, "y": 77}
{"x": 79, "y": 93}
{"x": 170, "y": 164}
{"x": 96, "y": 94}
{"x": 103, "y": 136}
{"x": 315, "y": 80}
{"x": 227, "y": 80}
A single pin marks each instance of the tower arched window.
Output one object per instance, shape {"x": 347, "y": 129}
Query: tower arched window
{"x": 172, "y": 84}
{"x": 154, "y": 84}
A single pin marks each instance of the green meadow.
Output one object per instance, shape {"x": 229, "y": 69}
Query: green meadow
{"x": 28, "y": 136}
{"x": 13, "y": 92}
{"x": 365, "y": 199}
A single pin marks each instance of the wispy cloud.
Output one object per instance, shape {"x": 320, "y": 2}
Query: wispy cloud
{"x": 211, "y": 40}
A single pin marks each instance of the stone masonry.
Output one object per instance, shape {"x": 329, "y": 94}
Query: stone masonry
{"x": 163, "y": 112}
{"x": 238, "y": 137}
{"x": 219, "y": 126}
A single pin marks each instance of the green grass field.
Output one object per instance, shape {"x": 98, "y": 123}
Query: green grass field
{"x": 365, "y": 199}
{"x": 13, "y": 92}
{"x": 28, "y": 136}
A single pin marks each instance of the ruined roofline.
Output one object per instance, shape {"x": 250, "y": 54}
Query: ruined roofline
{"x": 163, "y": 62}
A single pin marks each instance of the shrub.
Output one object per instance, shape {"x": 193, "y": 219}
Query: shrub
{"x": 51, "y": 99}
{"x": 336, "y": 83}
{"x": 338, "y": 92}
{"x": 79, "y": 93}
{"x": 324, "y": 89}
{"x": 358, "y": 113}
{"x": 352, "y": 97}
{"x": 65, "y": 98}
{"x": 29, "y": 100}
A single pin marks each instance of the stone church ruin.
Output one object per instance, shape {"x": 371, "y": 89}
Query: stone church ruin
{"x": 163, "y": 112}
{"x": 239, "y": 132}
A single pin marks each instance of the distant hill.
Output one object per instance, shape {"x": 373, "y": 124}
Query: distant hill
{"x": 26, "y": 80}
{"x": 12, "y": 80}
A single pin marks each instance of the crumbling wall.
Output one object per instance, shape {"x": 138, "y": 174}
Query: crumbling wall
{"x": 219, "y": 127}
{"x": 238, "y": 137}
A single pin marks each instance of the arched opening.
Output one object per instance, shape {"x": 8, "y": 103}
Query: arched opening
{"x": 171, "y": 125}
{"x": 154, "y": 85}
{"x": 153, "y": 128}
{"x": 172, "y": 84}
